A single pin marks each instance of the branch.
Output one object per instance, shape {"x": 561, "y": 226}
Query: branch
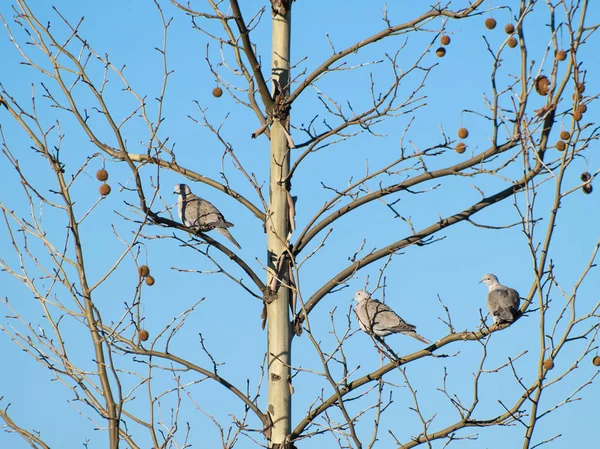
{"x": 374, "y": 256}
{"x": 309, "y": 232}
{"x": 167, "y": 356}
{"x": 411, "y": 25}
{"x": 28, "y": 436}
{"x": 243, "y": 265}
{"x": 263, "y": 89}
{"x": 378, "y": 374}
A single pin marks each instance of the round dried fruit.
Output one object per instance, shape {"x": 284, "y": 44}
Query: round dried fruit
{"x": 445, "y": 39}
{"x": 565, "y": 135}
{"x": 577, "y": 116}
{"x": 561, "y": 55}
{"x": 149, "y": 281}
{"x": 509, "y": 28}
{"x": 596, "y": 361}
{"x": 582, "y": 108}
{"x": 581, "y": 87}
{"x": 548, "y": 364}
{"x": 144, "y": 270}
{"x": 542, "y": 85}
{"x": 490, "y": 23}
{"x": 560, "y": 145}
{"x": 511, "y": 42}
{"x": 143, "y": 335}
{"x": 463, "y": 133}
{"x": 104, "y": 189}
{"x": 440, "y": 52}
{"x": 585, "y": 176}
{"x": 102, "y": 175}
{"x": 460, "y": 147}
{"x": 217, "y": 92}
{"x": 587, "y": 189}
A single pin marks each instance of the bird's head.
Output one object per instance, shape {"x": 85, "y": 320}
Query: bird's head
{"x": 361, "y": 295}
{"x": 181, "y": 189}
{"x": 489, "y": 279}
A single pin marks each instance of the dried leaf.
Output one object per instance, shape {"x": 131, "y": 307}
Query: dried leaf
{"x": 543, "y": 111}
{"x": 263, "y": 316}
{"x": 542, "y": 85}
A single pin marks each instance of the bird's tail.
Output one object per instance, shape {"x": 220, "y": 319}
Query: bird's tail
{"x": 227, "y": 234}
{"x": 413, "y": 334}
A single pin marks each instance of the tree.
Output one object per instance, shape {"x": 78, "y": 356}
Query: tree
{"x": 343, "y": 208}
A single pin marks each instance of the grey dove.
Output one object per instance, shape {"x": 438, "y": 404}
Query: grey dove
{"x": 502, "y": 301}
{"x": 376, "y": 318}
{"x": 197, "y": 213}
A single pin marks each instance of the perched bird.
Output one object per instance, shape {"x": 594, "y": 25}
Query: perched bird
{"x": 376, "y": 318}
{"x": 200, "y": 214}
{"x": 502, "y": 302}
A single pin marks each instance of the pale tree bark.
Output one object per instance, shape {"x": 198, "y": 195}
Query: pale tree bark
{"x": 278, "y": 226}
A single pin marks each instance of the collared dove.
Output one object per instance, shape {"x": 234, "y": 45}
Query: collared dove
{"x": 374, "y": 317}
{"x": 200, "y": 214}
{"x": 502, "y": 302}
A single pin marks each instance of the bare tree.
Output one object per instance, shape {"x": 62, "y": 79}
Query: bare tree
{"x": 145, "y": 388}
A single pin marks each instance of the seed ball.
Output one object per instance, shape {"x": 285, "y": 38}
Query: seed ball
{"x": 565, "y": 135}
{"x": 104, "y": 189}
{"x": 512, "y": 42}
{"x": 445, "y": 39}
{"x": 463, "y": 133}
{"x": 560, "y": 145}
{"x": 490, "y": 23}
{"x": 561, "y": 55}
{"x": 144, "y": 270}
{"x": 577, "y": 116}
{"x": 596, "y": 361}
{"x": 509, "y": 28}
{"x": 143, "y": 335}
{"x": 585, "y": 176}
{"x": 102, "y": 175}
{"x": 440, "y": 52}
{"x": 149, "y": 281}
{"x": 587, "y": 189}
{"x": 548, "y": 364}
{"x": 582, "y": 108}
{"x": 581, "y": 87}
{"x": 460, "y": 147}
{"x": 217, "y": 92}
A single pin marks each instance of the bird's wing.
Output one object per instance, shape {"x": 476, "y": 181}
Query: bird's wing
{"x": 514, "y": 298}
{"x": 202, "y": 214}
{"x": 383, "y": 318}
{"x": 503, "y": 303}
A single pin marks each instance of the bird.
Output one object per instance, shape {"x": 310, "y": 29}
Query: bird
{"x": 502, "y": 301}
{"x": 376, "y": 318}
{"x": 200, "y": 214}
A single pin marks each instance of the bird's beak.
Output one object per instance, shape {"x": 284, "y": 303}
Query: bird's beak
{"x": 481, "y": 281}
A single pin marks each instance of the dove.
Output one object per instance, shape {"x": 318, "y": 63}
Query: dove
{"x": 200, "y": 214}
{"x": 376, "y": 318}
{"x": 502, "y": 302}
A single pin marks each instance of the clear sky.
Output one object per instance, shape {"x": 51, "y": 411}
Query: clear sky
{"x": 456, "y": 93}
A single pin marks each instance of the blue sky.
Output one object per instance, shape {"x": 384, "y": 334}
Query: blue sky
{"x": 229, "y": 318}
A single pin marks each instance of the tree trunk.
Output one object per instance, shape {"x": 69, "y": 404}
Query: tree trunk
{"x": 278, "y": 225}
